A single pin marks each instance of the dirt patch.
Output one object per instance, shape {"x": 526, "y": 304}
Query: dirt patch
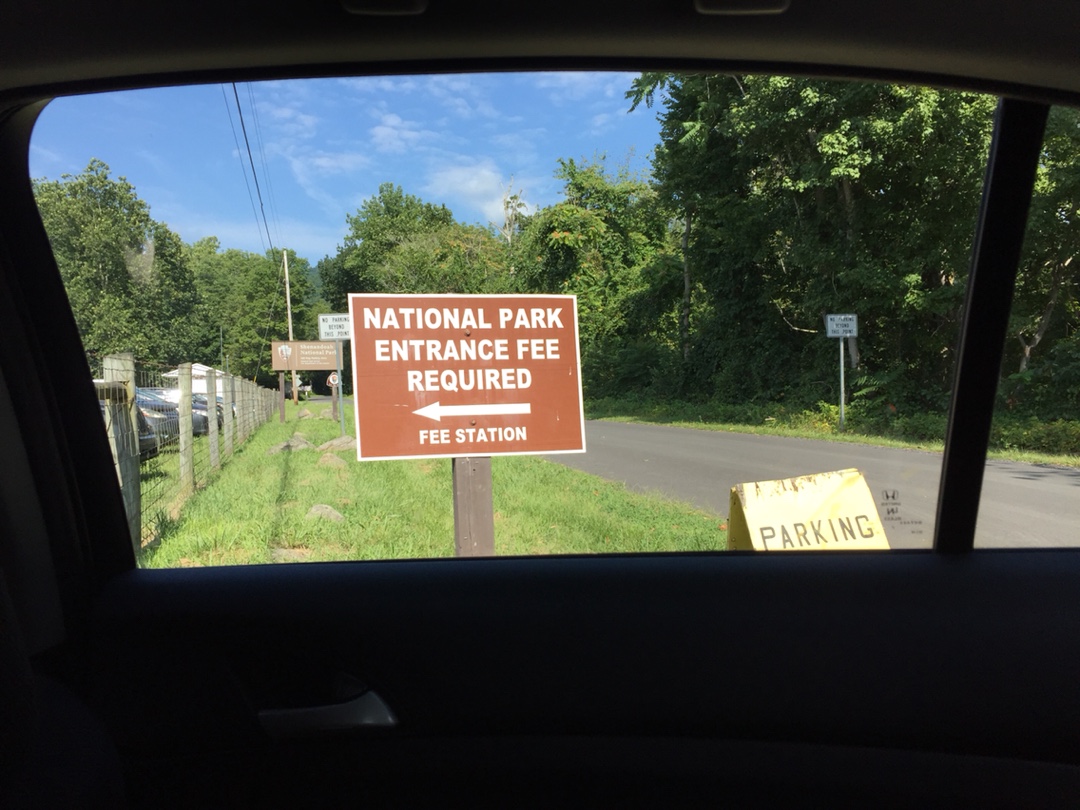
{"x": 298, "y": 554}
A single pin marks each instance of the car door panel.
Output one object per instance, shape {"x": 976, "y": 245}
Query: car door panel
{"x": 912, "y": 652}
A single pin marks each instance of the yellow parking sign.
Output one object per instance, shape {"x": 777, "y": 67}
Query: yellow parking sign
{"x": 830, "y": 510}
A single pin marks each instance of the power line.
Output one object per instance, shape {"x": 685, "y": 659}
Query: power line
{"x": 251, "y": 160}
{"x": 262, "y": 160}
{"x": 258, "y": 191}
{"x": 243, "y": 171}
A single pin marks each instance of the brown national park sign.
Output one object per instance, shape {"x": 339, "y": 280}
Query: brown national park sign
{"x": 303, "y": 355}
{"x": 466, "y": 375}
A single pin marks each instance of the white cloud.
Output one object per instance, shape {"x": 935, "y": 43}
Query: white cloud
{"x": 312, "y": 170}
{"x": 582, "y": 86}
{"x": 520, "y": 145}
{"x": 291, "y": 122}
{"x": 156, "y": 161}
{"x": 395, "y": 135}
{"x": 479, "y": 185}
{"x": 42, "y": 160}
{"x": 603, "y": 122}
{"x": 381, "y": 84}
{"x": 337, "y": 162}
{"x": 463, "y": 96}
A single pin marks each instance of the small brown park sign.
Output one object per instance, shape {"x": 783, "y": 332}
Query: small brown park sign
{"x": 466, "y": 375}
{"x": 302, "y": 355}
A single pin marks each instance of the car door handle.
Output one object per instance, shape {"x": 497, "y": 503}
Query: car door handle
{"x": 364, "y": 711}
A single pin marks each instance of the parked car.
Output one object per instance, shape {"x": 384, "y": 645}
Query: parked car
{"x": 148, "y": 440}
{"x": 198, "y": 401}
{"x": 162, "y": 416}
{"x": 200, "y": 424}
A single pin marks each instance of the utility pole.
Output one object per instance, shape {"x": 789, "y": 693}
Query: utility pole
{"x": 288, "y": 309}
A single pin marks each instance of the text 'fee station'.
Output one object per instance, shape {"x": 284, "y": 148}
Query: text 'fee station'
{"x": 466, "y": 375}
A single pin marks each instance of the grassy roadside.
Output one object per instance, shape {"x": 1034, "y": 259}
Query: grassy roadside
{"x": 256, "y": 509}
{"x": 805, "y": 425}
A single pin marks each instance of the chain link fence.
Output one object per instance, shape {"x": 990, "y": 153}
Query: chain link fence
{"x": 169, "y": 430}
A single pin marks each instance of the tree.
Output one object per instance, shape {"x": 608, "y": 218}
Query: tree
{"x": 243, "y": 305}
{"x": 806, "y": 197}
{"x": 454, "y": 258}
{"x": 382, "y": 223}
{"x": 1047, "y": 280}
{"x": 1046, "y": 309}
{"x": 127, "y": 276}
{"x": 607, "y": 243}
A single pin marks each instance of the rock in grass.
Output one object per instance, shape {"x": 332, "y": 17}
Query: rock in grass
{"x": 330, "y": 460}
{"x": 340, "y": 443}
{"x": 321, "y": 510}
{"x": 304, "y": 414}
{"x": 297, "y": 442}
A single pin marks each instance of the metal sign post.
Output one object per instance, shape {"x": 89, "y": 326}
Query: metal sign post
{"x": 340, "y": 390}
{"x": 842, "y": 327}
{"x": 843, "y": 385}
{"x": 337, "y": 326}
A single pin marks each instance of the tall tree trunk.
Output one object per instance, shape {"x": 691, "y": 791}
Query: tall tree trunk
{"x": 849, "y": 208}
{"x": 684, "y": 321}
{"x": 1028, "y": 346}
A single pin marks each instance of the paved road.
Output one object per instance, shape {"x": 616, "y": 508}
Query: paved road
{"x": 1022, "y": 505}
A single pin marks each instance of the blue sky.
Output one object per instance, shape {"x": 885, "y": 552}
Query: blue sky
{"x": 321, "y": 147}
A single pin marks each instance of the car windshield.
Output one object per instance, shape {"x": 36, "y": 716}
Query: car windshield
{"x": 597, "y": 312}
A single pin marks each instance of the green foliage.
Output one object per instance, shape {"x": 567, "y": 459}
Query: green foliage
{"x": 243, "y": 305}
{"x": 1060, "y": 436}
{"x": 453, "y": 258}
{"x": 1045, "y": 319}
{"x": 608, "y": 244}
{"x": 399, "y": 243}
{"x": 134, "y": 286}
{"x": 810, "y": 197}
{"x": 127, "y": 277}
{"x": 383, "y": 223}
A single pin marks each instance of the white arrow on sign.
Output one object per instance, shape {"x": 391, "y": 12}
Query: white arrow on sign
{"x": 437, "y": 412}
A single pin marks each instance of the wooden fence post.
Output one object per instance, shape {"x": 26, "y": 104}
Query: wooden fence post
{"x": 228, "y": 394}
{"x": 187, "y": 443}
{"x": 241, "y": 410}
{"x": 248, "y": 410}
{"x": 123, "y": 427}
{"x": 211, "y": 415}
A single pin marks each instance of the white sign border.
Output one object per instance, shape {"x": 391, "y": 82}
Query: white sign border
{"x": 828, "y": 325}
{"x": 330, "y": 315}
{"x": 577, "y": 351}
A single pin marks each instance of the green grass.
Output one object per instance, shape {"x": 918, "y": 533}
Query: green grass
{"x": 803, "y": 425}
{"x": 255, "y": 510}
{"x": 162, "y": 496}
